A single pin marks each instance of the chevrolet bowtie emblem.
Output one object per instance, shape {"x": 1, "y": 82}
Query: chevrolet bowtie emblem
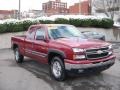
{"x": 99, "y": 52}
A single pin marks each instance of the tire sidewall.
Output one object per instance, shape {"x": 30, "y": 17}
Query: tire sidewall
{"x": 20, "y": 57}
{"x": 63, "y": 75}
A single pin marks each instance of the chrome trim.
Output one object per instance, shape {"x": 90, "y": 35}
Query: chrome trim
{"x": 95, "y": 52}
{"x": 104, "y": 51}
{"x": 39, "y": 54}
{"x": 69, "y": 66}
{"x": 27, "y": 51}
{"x": 98, "y": 48}
{"x": 97, "y": 58}
{"x": 36, "y": 53}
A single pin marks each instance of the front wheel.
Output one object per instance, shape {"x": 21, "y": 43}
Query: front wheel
{"x": 18, "y": 57}
{"x": 57, "y": 69}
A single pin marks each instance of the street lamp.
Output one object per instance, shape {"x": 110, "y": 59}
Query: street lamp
{"x": 19, "y": 12}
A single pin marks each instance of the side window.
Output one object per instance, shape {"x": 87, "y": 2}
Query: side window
{"x": 40, "y": 32}
{"x": 31, "y": 33}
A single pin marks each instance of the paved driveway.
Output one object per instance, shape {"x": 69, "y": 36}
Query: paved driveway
{"x": 34, "y": 76}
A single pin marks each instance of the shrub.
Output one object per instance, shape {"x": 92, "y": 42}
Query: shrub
{"x": 61, "y": 21}
{"x": 86, "y": 22}
{"x": 75, "y": 22}
{"x": 3, "y": 28}
{"x": 18, "y": 27}
{"x": 46, "y": 21}
{"x": 107, "y": 23}
{"x": 24, "y": 25}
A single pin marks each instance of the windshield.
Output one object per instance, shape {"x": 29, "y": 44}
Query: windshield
{"x": 65, "y": 32}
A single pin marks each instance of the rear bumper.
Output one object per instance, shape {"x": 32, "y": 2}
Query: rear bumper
{"x": 82, "y": 66}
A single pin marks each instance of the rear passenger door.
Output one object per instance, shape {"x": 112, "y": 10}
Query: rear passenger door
{"x": 40, "y": 46}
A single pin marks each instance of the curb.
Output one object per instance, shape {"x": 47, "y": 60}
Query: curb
{"x": 5, "y": 49}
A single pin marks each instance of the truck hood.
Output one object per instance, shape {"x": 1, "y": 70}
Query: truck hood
{"x": 82, "y": 43}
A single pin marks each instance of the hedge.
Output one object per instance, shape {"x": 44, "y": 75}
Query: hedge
{"x": 23, "y": 25}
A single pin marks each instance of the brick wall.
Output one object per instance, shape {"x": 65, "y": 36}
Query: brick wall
{"x": 55, "y": 7}
{"x": 82, "y": 8}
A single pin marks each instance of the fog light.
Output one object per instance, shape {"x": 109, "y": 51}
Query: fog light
{"x": 80, "y": 71}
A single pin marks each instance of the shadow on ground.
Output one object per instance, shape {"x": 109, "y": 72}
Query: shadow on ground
{"x": 101, "y": 81}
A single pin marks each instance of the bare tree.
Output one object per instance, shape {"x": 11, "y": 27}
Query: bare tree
{"x": 108, "y": 7}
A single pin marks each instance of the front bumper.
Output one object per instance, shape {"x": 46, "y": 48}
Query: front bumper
{"x": 69, "y": 66}
{"x": 88, "y": 64}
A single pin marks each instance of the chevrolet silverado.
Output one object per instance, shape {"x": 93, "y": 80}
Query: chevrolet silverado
{"x": 64, "y": 48}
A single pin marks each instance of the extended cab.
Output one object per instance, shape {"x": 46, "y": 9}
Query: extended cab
{"x": 64, "y": 48}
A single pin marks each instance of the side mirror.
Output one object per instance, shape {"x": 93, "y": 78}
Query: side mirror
{"x": 40, "y": 38}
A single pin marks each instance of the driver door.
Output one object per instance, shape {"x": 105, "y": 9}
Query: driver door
{"x": 40, "y": 45}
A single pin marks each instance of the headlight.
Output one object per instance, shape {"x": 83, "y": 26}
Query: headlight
{"x": 110, "y": 46}
{"x": 77, "y": 57}
{"x": 76, "y": 50}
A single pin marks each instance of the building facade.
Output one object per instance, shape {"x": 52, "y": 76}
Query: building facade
{"x": 55, "y": 7}
{"x": 109, "y": 8}
{"x": 80, "y": 8}
{"x": 6, "y": 14}
{"x": 32, "y": 13}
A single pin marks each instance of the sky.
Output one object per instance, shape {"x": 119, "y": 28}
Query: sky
{"x": 27, "y": 4}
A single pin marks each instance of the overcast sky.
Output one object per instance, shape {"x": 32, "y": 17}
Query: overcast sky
{"x": 27, "y": 4}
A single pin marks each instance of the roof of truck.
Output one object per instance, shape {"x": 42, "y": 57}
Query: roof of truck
{"x": 50, "y": 25}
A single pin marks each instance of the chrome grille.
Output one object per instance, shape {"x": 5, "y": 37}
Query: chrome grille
{"x": 97, "y": 53}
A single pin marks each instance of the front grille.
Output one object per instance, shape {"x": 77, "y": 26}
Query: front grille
{"x": 96, "y": 49}
{"x": 97, "y": 53}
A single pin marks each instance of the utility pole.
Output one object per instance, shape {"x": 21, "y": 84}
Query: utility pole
{"x": 90, "y": 7}
{"x": 19, "y": 11}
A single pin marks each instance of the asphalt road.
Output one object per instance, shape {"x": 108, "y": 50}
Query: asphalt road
{"x": 34, "y": 76}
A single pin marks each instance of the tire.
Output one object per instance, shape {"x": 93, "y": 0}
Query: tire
{"x": 18, "y": 57}
{"x": 57, "y": 69}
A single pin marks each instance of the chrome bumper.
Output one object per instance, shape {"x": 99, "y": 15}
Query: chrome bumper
{"x": 69, "y": 66}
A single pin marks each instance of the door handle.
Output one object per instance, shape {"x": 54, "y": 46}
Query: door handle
{"x": 43, "y": 48}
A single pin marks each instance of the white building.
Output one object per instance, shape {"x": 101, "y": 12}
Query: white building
{"x": 109, "y": 8}
{"x": 32, "y": 14}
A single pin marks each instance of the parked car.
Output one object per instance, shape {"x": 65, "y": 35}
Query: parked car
{"x": 93, "y": 35}
{"x": 64, "y": 48}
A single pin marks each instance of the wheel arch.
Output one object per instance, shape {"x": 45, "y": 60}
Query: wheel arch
{"x": 54, "y": 52}
{"x": 14, "y": 46}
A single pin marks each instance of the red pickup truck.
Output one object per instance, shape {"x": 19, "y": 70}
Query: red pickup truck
{"x": 64, "y": 48}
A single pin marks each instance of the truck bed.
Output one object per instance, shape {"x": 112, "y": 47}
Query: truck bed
{"x": 18, "y": 39}
{"x": 22, "y": 37}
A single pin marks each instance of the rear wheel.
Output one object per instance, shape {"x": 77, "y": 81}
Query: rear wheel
{"x": 57, "y": 69}
{"x": 18, "y": 57}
